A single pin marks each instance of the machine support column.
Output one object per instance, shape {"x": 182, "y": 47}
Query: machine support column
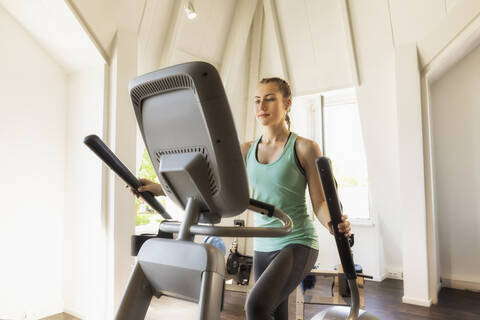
{"x": 211, "y": 296}
{"x": 191, "y": 218}
{"x": 136, "y": 298}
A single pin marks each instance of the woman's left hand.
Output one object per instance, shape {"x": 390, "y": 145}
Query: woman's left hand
{"x": 343, "y": 227}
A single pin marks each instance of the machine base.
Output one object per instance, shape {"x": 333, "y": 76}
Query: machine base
{"x": 341, "y": 313}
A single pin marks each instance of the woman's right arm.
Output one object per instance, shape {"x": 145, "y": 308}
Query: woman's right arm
{"x": 148, "y": 185}
{"x": 245, "y": 147}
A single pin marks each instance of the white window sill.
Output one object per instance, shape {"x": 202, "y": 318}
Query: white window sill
{"x": 362, "y": 222}
{"x": 356, "y": 222}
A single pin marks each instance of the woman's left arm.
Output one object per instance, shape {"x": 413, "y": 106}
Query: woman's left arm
{"x": 308, "y": 151}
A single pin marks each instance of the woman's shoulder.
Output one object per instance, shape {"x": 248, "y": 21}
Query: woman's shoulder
{"x": 307, "y": 148}
{"x": 245, "y": 147}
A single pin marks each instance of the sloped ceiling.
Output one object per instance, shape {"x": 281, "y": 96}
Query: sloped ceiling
{"x": 57, "y": 30}
{"x": 168, "y": 37}
{"x": 152, "y": 33}
{"x": 306, "y": 41}
{"x": 205, "y": 36}
{"x": 102, "y": 17}
{"x": 413, "y": 17}
{"x": 309, "y": 42}
{"x": 315, "y": 42}
{"x": 306, "y": 37}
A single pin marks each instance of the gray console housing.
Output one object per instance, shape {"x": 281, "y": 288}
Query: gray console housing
{"x": 184, "y": 110}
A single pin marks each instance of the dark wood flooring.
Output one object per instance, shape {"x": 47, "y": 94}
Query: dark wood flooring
{"x": 383, "y": 299}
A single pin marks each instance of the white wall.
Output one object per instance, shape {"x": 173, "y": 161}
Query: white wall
{"x": 121, "y": 138}
{"x": 456, "y": 133}
{"x": 378, "y": 246}
{"x": 84, "y": 249}
{"x": 412, "y": 176}
{"x": 32, "y": 136}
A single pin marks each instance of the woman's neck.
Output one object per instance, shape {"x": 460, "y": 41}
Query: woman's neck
{"x": 272, "y": 134}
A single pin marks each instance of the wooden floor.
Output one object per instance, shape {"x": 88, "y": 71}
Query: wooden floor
{"x": 61, "y": 316}
{"x": 383, "y": 300}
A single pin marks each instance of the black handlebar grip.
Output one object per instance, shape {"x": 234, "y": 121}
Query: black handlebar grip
{"x": 103, "y": 152}
{"x": 328, "y": 183}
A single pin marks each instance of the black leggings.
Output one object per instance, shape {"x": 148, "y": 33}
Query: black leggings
{"x": 277, "y": 274}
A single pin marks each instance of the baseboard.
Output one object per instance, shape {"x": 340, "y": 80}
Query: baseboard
{"x": 379, "y": 279}
{"x": 460, "y": 284}
{"x": 387, "y": 275}
{"x": 417, "y": 302}
{"x": 61, "y": 316}
{"x": 73, "y": 313}
{"x": 394, "y": 274}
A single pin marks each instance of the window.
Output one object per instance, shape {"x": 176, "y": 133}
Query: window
{"x": 332, "y": 120}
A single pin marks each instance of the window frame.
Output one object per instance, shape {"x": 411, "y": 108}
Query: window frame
{"x": 318, "y": 104}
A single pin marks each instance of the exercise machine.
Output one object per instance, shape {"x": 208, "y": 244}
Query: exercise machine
{"x": 343, "y": 246}
{"x": 187, "y": 126}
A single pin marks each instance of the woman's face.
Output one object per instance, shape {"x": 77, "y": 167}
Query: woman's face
{"x": 270, "y": 105}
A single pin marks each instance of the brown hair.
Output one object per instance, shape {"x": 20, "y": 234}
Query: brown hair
{"x": 284, "y": 88}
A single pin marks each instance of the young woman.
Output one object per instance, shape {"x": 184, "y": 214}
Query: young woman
{"x": 280, "y": 165}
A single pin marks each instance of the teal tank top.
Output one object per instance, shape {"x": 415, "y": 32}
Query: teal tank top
{"x": 282, "y": 184}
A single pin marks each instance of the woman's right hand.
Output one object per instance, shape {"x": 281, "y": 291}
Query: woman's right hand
{"x": 147, "y": 185}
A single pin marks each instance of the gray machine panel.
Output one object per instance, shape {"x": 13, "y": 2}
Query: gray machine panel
{"x": 178, "y": 266}
{"x": 184, "y": 109}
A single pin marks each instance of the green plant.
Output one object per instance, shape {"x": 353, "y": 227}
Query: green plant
{"x": 145, "y": 171}
{"x": 140, "y": 219}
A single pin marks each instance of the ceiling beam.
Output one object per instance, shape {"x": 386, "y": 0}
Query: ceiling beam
{"x": 460, "y": 24}
{"x": 270, "y": 9}
{"x": 253, "y": 72}
{"x": 141, "y": 15}
{"x": 174, "y": 25}
{"x": 237, "y": 40}
{"x": 88, "y": 30}
{"x": 352, "y": 56}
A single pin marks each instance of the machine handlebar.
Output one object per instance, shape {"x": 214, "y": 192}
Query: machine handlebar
{"x": 257, "y": 206}
{"x": 343, "y": 246}
{"x": 111, "y": 160}
{"x": 103, "y": 152}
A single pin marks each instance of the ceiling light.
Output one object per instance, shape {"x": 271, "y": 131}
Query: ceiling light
{"x": 190, "y": 10}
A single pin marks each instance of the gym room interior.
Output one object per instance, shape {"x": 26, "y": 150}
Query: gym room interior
{"x": 387, "y": 88}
